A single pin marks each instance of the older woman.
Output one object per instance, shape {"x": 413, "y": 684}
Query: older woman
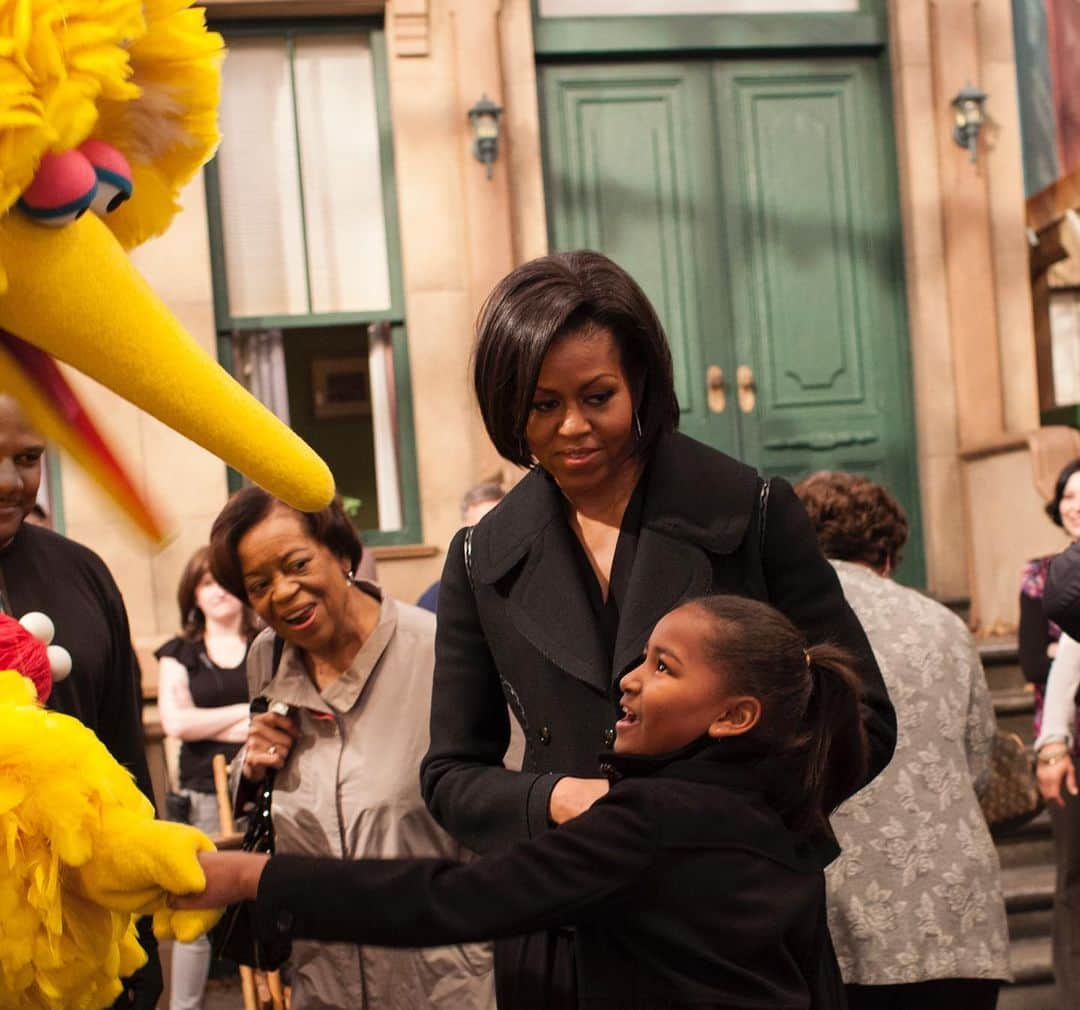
{"x": 355, "y": 669}
{"x": 553, "y": 594}
{"x": 915, "y": 905}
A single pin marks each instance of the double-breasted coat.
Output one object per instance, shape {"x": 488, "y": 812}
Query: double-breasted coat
{"x": 515, "y": 627}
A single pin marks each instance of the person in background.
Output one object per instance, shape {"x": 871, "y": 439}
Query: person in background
{"x": 477, "y": 502}
{"x": 203, "y": 701}
{"x": 552, "y": 595}
{"x": 42, "y": 570}
{"x": 1038, "y": 642}
{"x": 915, "y": 903}
{"x": 355, "y": 669}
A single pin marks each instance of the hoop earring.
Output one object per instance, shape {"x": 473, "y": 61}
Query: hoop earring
{"x": 637, "y": 426}
{"x": 349, "y": 579}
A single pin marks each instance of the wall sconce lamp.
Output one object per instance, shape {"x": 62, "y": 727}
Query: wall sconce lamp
{"x": 969, "y": 108}
{"x": 485, "y": 117}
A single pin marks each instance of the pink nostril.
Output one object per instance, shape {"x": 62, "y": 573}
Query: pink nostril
{"x": 62, "y": 190}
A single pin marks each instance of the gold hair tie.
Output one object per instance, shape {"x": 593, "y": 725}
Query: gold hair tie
{"x": 809, "y": 661}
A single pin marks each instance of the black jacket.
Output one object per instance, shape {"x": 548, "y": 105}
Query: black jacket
{"x": 526, "y": 634}
{"x": 686, "y": 888}
{"x": 1061, "y": 601}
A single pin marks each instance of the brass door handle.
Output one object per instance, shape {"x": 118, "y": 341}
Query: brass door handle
{"x": 747, "y": 388}
{"x": 717, "y": 388}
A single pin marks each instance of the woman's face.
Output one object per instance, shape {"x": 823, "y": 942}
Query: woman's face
{"x": 1070, "y": 507}
{"x": 216, "y": 603}
{"x": 580, "y": 426}
{"x": 293, "y": 582}
{"x": 675, "y": 695}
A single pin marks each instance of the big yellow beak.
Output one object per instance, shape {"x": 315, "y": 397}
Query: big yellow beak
{"x": 73, "y": 293}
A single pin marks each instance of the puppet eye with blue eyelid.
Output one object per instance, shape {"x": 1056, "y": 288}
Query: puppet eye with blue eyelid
{"x": 63, "y": 189}
{"x": 113, "y": 175}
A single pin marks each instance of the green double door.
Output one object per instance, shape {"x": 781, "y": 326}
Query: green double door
{"x": 755, "y": 202}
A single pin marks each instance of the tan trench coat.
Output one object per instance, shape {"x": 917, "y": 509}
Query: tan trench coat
{"x": 351, "y": 789}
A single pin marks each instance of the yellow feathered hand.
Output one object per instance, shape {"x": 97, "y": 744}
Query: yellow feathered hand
{"x": 81, "y": 857}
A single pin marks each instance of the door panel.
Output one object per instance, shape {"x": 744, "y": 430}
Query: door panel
{"x": 631, "y": 172}
{"x": 814, "y": 248}
{"x": 755, "y": 202}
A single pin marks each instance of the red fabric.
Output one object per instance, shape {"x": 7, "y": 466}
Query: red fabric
{"x": 19, "y": 650}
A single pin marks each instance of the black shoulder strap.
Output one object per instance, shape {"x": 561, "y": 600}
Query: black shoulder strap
{"x": 279, "y": 648}
{"x": 763, "y": 505}
{"x": 468, "y": 557}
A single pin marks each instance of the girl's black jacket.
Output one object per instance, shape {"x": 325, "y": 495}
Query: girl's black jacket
{"x": 685, "y": 885}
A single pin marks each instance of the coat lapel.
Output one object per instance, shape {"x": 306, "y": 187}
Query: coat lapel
{"x": 549, "y": 606}
{"x": 546, "y": 601}
{"x": 698, "y": 505}
{"x": 666, "y": 571}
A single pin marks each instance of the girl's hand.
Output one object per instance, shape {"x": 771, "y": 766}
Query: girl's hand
{"x": 270, "y": 738}
{"x": 230, "y": 877}
{"x": 571, "y": 797}
{"x": 1051, "y": 776}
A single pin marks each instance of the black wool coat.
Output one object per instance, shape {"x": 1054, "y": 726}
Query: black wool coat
{"x": 686, "y": 888}
{"x": 515, "y": 626}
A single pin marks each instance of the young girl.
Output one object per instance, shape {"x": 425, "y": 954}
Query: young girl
{"x": 695, "y": 882}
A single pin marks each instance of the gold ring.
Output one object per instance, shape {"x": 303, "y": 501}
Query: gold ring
{"x": 272, "y": 749}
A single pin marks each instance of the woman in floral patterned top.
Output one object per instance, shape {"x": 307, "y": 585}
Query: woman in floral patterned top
{"x": 1038, "y": 642}
{"x": 915, "y": 904}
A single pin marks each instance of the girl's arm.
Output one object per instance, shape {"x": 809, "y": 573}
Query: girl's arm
{"x": 564, "y": 876}
{"x": 805, "y": 588}
{"x": 462, "y": 777}
{"x": 181, "y": 717}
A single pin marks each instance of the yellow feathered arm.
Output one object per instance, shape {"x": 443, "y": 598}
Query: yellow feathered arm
{"x": 81, "y": 856}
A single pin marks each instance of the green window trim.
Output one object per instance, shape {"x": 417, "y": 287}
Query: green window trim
{"x": 56, "y": 488}
{"x": 411, "y": 530}
{"x": 715, "y": 33}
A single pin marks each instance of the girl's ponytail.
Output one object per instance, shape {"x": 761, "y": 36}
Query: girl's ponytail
{"x": 835, "y": 738}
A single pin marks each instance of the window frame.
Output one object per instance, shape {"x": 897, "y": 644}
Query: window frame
{"x": 226, "y": 324}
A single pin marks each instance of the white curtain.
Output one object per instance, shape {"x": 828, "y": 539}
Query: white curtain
{"x": 384, "y": 423}
{"x": 260, "y": 367}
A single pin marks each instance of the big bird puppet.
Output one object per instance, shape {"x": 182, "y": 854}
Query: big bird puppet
{"x": 107, "y": 108}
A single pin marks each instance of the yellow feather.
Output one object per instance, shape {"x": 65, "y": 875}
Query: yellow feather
{"x": 81, "y": 855}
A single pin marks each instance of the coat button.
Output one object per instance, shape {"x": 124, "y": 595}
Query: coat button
{"x": 545, "y": 735}
{"x": 609, "y": 737}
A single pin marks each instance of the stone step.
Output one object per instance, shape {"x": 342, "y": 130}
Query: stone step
{"x": 1031, "y": 961}
{"x": 1001, "y": 663}
{"x": 1034, "y": 923}
{"x": 1036, "y": 996}
{"x": 1028, "y": 888}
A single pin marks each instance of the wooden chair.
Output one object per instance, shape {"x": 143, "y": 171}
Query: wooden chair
{"x": 260, "y": 989}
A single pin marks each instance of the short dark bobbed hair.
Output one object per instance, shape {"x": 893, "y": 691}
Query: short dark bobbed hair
{"x": 546, "y": 298}
{"x": 855, "y": 519}
{"x": 1053, "y": 506}
{"x": 247, "y": 508}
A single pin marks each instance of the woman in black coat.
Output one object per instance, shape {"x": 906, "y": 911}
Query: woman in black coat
{"x": 554, "y": 593}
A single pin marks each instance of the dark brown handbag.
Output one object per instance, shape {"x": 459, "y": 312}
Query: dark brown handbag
{"x": 1012, "y": 798}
